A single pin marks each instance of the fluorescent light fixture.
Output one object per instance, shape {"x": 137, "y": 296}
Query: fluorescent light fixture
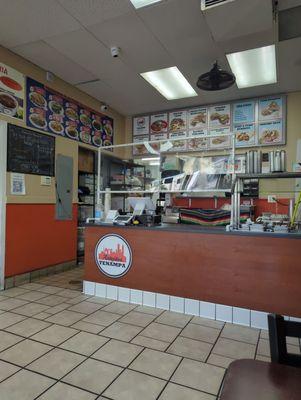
{"x": 254, "y": 67}
{"x": 143, "y": 3}
{"x": 154, "y": 163}
{"x": 150, "y": 159}
{"x": 170, "y": 82}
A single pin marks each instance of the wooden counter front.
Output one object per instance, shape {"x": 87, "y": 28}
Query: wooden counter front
{"x": 256, "y": 272}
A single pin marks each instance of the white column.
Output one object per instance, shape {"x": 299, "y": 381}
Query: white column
{"x": 3, "y": 160}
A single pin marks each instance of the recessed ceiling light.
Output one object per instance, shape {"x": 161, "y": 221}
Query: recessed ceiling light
{"x": 170, "y": 82}
{"x": 143, "y": 3}
{"x": 254, "y": 67}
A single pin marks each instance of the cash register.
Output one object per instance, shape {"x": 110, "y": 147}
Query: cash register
{"x": 144, "y": 213}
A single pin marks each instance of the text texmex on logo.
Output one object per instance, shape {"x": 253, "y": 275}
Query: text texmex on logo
{"x": 113, "y": 256}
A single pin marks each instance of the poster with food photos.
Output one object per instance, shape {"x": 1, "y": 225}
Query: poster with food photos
{"x": 36, "y": 108}
{"x": 139, "y": 148}
{"x": 271, "y": 133}
{"x": 244, "y": 112}
{"x": 53, "y": 112}
{"x": 219, "y": 116}
{"x": 222, "y": 141}
{"x": 270, "y": 108}
{"x": 245, "y": 135}
{"x": 197, "y": 118}
{"x": 11, "y": 92}
{"x": 141, "y": 125}
{"x": 177, "y": 121}
{"x": 159, "y": 123}
{"x": 178, "y": 144}
{"x": 196, "y": 142}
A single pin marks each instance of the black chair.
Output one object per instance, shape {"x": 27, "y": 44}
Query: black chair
{"x": 279, "y": 329}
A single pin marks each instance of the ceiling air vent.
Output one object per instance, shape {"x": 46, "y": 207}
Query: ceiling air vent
{"x": 289, "y": 23}
{"x": 206, "y": 4}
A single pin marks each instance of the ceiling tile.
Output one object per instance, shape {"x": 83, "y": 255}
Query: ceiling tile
{"x": 89, "y": 12}
{"x": 23, "y": 21}
{"x": 139, "y": 47}
{"x": 239, "y": 18}
{"x": 174, "y": 19}
{"x": 83, "y": 48}
{"x": 45, "y": 56}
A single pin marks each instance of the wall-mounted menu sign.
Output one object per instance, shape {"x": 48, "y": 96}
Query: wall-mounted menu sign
{"x": 52, "y": 112}
{"x": 30, "y": 152}
{"x": 255, "y": 122}
{"x": 141, "y": 126}
{"x": 11, "y": 92}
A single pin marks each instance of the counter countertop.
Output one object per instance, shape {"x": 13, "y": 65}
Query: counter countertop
{"x": 198, "y": 229}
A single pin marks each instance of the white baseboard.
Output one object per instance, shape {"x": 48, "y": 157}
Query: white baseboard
{"x": 220, "y": 312}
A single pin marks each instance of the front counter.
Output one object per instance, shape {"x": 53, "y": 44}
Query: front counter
{"x": 232, "y": 273}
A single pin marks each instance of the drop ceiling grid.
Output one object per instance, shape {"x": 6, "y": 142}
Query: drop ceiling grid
{"x": 23, "y": 21}
{"x": 45, "y": 56}
{"x": 247, "y": 17}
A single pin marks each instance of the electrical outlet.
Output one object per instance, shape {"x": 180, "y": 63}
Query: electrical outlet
{"x": 272, "y": 198}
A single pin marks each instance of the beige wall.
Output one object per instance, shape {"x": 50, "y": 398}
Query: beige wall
{"x": 35, "y": 192}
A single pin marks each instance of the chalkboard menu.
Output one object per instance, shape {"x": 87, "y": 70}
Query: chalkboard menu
{"x": 30, "y": 152}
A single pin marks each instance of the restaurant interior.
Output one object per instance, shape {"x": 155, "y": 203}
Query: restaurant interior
{"x": 150, "y": 199}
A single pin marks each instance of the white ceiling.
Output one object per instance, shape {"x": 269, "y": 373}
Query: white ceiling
{"x": 72, "y": 38}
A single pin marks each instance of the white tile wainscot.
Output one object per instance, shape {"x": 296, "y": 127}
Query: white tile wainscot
{"x": 220, "y": 312}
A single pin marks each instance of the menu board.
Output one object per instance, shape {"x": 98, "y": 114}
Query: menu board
{"x": 159, "y": 123}
{"x": 270, "y": 132}
{"x": 220, "y": 115}
{"x": 255, "y": 122}
{"x": 178, "y": 145}
{"x": 244, "y": 112}
{"x": 52, "y": 112}
{"x": 139, "y": 148}
{"x": 11, "y": 92}
{"x": 270, "y": 108}
{"x": 222, "y": 141}
{"x": 141, "y": 125}
{"x": 245, "y": 134}
{"x": 30, "y": 152}
{"x": 177, "y": 121}
{"x": 197, "y": 118}
{"x": 197, "y": 143}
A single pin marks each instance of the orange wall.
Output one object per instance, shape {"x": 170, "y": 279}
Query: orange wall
{"x": 35, "y": 239}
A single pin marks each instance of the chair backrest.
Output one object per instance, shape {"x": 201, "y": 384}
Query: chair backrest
{"x": 279, "y": 329}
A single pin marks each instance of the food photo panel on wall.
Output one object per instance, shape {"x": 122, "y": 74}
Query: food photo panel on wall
{"x": 222, "y": 141}
{"x": 270, "y": 108}
{"x": 179, "y": 144}
{"x": 177, "y": 121}
{"x": 141, "y": 125}
{"x": 271, "y": 133}
{"x": 220, "y": 116}
{"x": 197, "y": 119}
{"x": 36, "y": 105}
{"x": 159, "y": 123}
{"x": 139, "y": 148}
{"x": 245, "y": 134}
{"x": 55, "y": 113}
{"x": 196, "y": 142}
{"x": 11, "y": 92}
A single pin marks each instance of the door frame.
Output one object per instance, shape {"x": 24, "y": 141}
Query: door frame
{"x": 3, "y": 198}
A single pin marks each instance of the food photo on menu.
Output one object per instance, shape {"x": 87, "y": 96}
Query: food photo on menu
{"x": 245, "y": 135}
{"x": 11, "y": 92}
{"x": 36, "y": 105}
{"x": 177, "y": 121}
{"x": 270, "y": 108}
{"x": 197, "y": 118}
{"x": 158, "y": 123}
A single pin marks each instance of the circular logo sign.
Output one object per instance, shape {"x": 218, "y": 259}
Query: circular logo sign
{"x": 113, "y": 256}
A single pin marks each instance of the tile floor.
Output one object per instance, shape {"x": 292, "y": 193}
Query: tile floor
{"x": 56, "y": 343}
